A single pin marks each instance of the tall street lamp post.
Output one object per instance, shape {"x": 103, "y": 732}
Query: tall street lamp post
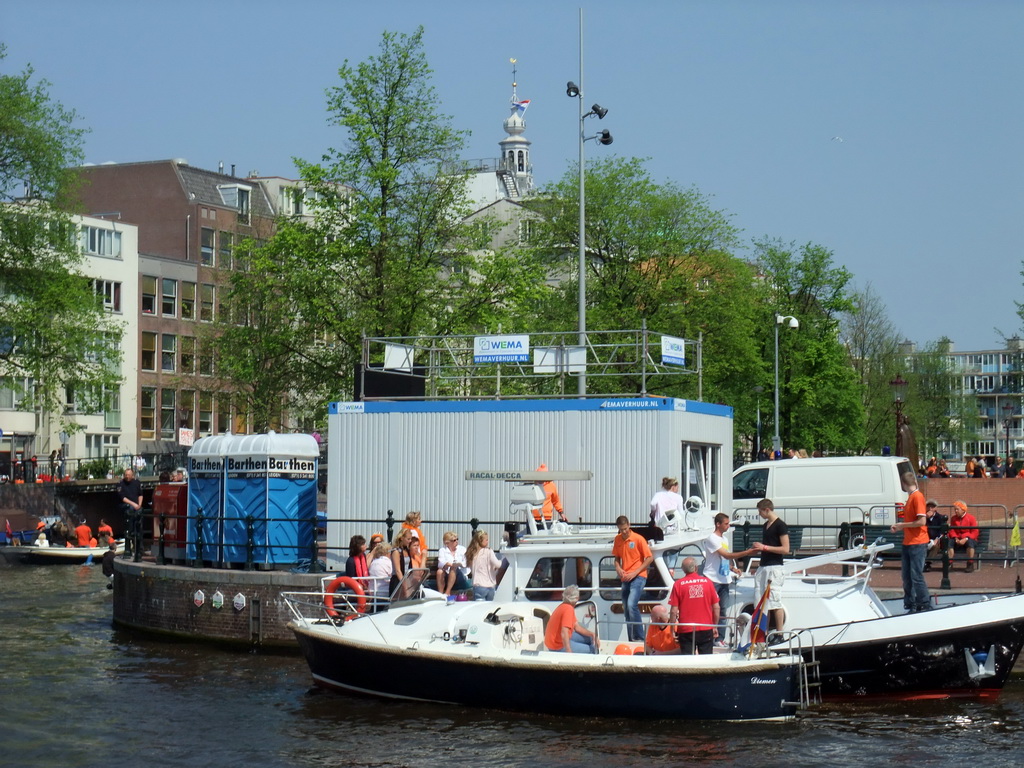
{"x": 1007, "y": 423}
{"x": 899, "y": 394}
{"x": 794, "y": 324}
{"x": 757, "y": 435}
{"x": 574, "y": 91}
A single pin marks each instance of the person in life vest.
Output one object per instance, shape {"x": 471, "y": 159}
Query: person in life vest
{"x": 552, "y": 502}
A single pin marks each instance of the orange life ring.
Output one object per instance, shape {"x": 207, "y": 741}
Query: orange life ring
{"x": 344, "y": 581}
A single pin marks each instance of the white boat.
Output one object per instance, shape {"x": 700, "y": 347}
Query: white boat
{"x": 867, "y": 647}
{"x": 492, "y": 654}
{"x": 53, "y": 555}
{"x": 852, "y": 642}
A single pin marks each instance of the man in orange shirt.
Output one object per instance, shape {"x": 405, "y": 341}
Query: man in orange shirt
{"x": 84, "y": 534}
{"x": 632, "y": 556}
{"x": 915, "y": 547}
{"x": 552, "y": 501}
{"x": 661, "y": 639}
{"x": 564, "y": 633}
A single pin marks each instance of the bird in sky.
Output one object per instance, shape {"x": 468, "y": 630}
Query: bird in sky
{"x": 838, "y": 138}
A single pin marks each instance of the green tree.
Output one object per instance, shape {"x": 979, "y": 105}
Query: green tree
{"x": 820, "y": 400}
{"x": 387, "y": 251}
{"x": 938, "y": 409}
{"x": 54, "y": 334}
{"x": 659, "y": 254}
{"x": 874, "y": 350}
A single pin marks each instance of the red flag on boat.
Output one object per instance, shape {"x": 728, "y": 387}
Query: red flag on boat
{"x": 8, "y": 531}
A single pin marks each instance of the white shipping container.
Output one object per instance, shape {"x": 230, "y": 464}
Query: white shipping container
{"x": 407, "y": 455}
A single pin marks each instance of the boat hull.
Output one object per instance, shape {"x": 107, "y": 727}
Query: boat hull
{"x": 923, "y": 655}
{"x": 537, "y": 683}
{"x": 33, "y": 555}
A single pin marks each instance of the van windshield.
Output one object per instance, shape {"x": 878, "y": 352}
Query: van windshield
{"x": 751, "y": 484}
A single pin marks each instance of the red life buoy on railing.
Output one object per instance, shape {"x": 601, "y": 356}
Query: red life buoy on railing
{"x": 344, "y": 581}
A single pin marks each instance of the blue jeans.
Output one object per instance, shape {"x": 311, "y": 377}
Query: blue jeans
{"x": 483, "y": 593}
{"x": 915, "y": 591}
{"x": 631, "y": 592}
{"x": 580, "y": 644}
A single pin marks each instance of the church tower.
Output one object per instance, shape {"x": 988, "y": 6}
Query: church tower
{"x": 514, "y": 168}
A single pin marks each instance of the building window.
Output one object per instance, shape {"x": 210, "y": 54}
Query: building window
{"x": 188, "y": 354}
{"x": 223, "y": 415}
{"x": 206, "y": 297}
{"x": 188, "y": 300}
{"x": 188, "y": 409}
{"x": 525, "y": 231}
{"x": 236, "y": 196}
{"x": 147, "y": 411}
{"x": 169, "y": 297}
{"x": 110, "y": 293}
{"x": 148, "y": 295}
{"x": 206, "y": 245}
{"x": 112, "y": 409}
{"x": 224, "y": 254}
{"x": 168, "y": 352}
{"x": 148, "y": 351}
{"x": 520, "y": 166}
{"x": 206, "y": 360}
{"x": 101, "y": 445}
{"x": 205, "y": 413}
{"x": 101, "y": 242}
{"x": 167, "y": 411}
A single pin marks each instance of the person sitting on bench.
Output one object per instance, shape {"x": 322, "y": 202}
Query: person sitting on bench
{"x": 963, "y": 533}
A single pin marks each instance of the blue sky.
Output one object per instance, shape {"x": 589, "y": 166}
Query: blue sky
{"x": 922, "y": 198}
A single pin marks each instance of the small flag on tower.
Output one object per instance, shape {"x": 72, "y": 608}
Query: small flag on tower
{"x": 521, "y": 106}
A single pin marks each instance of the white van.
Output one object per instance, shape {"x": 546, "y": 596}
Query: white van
{"x": 822, "y": 493}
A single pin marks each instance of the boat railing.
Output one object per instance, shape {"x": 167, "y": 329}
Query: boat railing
{"x": 800, "y": 643}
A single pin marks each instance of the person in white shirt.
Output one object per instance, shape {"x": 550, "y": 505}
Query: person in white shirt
{"x": 380, "y": 571}
{"x": 667, "y": 506}
{"x": 718, "y": 561}
{"x": 484, "y": 565}
{"x": 451, "y": 564}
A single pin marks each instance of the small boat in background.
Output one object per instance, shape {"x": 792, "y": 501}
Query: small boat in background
{"x": 33, "y": 554}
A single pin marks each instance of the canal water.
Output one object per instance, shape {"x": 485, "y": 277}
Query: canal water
{"x": 76, "y": 692}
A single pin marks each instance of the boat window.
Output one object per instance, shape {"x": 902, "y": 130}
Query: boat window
{"x": 407, "y": 618}
{"x": 655, "y": 590}
{"x": 551, "y": 574}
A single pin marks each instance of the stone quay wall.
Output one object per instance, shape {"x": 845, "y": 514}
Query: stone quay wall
{"x": 162, "y": 599}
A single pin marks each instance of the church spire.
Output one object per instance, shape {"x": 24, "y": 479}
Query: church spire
{"x": 515, "y": 164}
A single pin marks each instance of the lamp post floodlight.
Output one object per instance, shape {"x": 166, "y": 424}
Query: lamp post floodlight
{"x": 794, "y": 324}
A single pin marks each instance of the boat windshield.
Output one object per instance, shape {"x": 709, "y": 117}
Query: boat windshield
{"x": 410, "y": 587}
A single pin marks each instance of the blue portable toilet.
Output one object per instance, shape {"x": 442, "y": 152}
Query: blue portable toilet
{"x": 206, "y": 496}
{"x": 270, "y": 486}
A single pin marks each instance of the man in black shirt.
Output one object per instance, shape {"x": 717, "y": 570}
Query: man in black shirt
{"x": 129, "y": 493}
{"x": 773, "y": 545}
{"x": 936, "y": 530}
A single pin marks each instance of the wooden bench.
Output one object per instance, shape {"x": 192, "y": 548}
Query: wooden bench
{"x": 868, "y": 534}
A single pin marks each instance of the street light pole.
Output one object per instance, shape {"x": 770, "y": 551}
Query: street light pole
{"x": 574, "y": 91}
{"x": 899, "y": 394}
{"x": 794, "y": 324}
{"x": 757, "y": 436}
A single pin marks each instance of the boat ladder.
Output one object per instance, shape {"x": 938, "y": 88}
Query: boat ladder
{"x": 810, "y": 667}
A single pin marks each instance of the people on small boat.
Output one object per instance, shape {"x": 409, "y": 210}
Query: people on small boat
{"x": 773, "y": 546}
{"x": 401, "y": 559}
{"x": 84, "y": 535}
{"x": 484, "y": 566}
{"x": 104, "y": 533}
{"x": 451, "y": 565}
{"x": 414, "y": 522}
{"x": 552, "y": 501}
{"x": 375, "y": 539}
{"x": 632, "y": 557}
{"x": 667, "y": 507}
{"x": 564, "y": 632}
{"x": 661, "y": 636}
{"x": 381, "y": 570}
{"x": 356, "y": 566}
{"x": 59, "y": 534}
{"x": 694, "y": 605}
{"x": 41, "y": 540}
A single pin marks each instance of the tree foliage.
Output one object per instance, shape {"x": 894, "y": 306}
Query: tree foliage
{"x": 387, "y": 251}
{"x": 656, "y": 253}
{"x": 820, "y": 400}
{"x": 54, "y": 334}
